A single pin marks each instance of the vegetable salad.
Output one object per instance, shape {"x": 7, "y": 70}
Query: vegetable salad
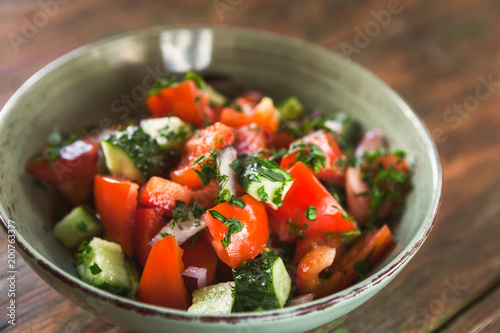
{"x": 217, "y": 205}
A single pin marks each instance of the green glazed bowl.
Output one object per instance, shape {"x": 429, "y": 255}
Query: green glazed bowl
{"x": 106, "y": 82}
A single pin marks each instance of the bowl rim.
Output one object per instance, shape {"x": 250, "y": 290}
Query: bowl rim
{"x": 317, "y": 305}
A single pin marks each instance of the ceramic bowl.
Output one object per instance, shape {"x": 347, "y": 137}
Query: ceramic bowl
{"x": 106, "y": 82}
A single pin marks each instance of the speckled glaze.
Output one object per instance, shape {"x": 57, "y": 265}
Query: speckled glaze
{"x": 86, "y": 87}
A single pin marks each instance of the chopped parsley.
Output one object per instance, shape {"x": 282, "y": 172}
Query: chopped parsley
{"x": 162, "y": 83}
{"x": 95, "y": 269}
{"x": 206, "y": 174}
{"x": 386, "y": 183}
{"x": 197, "y": 210}
{"x": 238, "y": 202}
{"x": 261, "y": 192}
{"x": 310, "y": 154}
{"x": 310, "y": 213}
{"x": 208, "y": 170}
{"x": 83, "y": 252}
{"x": 55, "y": 143}
{"x": 164, "y": 234}
{"x": 183, "y": 212}
{"x": 180, "y": 213}
{"x": 198, "y": 80}
{"x": 234, "y": 226}
{"x": 361, "y": 267}
{"x": 145, "y": 153}
{"x": 175, "y": 133}
{"x": 294, "y": 228}
{"x": 237, "y": 166}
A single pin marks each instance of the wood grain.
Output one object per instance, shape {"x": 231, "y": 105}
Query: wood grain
{"x": 434, "y": 53}
{"x": 482, "y": 317}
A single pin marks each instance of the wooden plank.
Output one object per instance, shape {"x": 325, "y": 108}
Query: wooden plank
{"x": 482, "y": 317}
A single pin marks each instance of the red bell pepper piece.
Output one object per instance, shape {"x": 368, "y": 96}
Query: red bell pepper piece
{"x": 115, "y": 202}
{"x": 159, "y": 192}
{"x": 148, "y": 222}
{"x": 308, "y": 194}
{"x": 264, "y": 114}
{"x": 183, "y": 100}
{"x": 216, "y": 136}
{"x": 249, "y": 241}
{"x": 161, "y": 281}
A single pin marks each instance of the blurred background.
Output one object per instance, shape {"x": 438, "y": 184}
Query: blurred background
{"x": 443, "y": 57}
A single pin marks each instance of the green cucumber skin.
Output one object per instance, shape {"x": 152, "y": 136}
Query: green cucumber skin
{"x": 143, "y": 151}
{"x": 70, "y": 230}
{"x": 254, "y": 285}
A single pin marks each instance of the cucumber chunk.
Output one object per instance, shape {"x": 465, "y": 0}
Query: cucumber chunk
{"x": 215, "y": 299}
{"x": 262, "y": 283}
{"x": 215, "y": 98}
{"x": 169, "y": 132}
{"x": 266, "y": 181}
{"x": 102, "y": 264}
{"x": 134, "y": 155}
{"x": 79, "y": 225}
{"x": 291, "y": 109}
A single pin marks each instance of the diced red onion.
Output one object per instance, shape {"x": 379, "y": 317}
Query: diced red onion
{"x": 190, "y": 228}
{"x": 274, "y": 240}
{"x": 372, "y": 140}
{"x": 226, "y": 156}
{"x": 195, "y": 278}
{"x": 358, "y": 205}
{"x": 300, "y": 299}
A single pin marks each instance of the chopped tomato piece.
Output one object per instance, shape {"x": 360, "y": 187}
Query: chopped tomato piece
{"x": 334, "y": 172}
{"x": 73, "y": 173}
{"x": 200, "y": 253}
{"x": 249, "y": 139}
{"x": 217, "y": 137}
{"x": 148, "y": 222}
{"x": 246, "y": 243}
{"x": 115, "y": 202}
{"x": 307, "y": 196}
{"x": 161, "y": 281}
{"x": 264, "y": 114}
{"x": 183, "y": 100}
{"x": 159, "y": 192}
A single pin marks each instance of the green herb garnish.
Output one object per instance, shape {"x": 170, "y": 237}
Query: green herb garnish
{"x": 310, "y": 213}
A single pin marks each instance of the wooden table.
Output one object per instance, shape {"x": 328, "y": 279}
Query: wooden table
{"x": 443, "y": 57}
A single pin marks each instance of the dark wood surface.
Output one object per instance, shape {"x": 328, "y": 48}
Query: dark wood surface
{"x": 434, "y": 53}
